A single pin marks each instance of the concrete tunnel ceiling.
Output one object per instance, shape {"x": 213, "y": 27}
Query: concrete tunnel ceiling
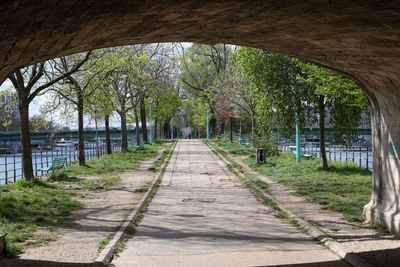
{"x": 360, "y": 39}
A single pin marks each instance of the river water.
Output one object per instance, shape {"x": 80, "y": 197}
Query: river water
{"x": 11, "y": 164}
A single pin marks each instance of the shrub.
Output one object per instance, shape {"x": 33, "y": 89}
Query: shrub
{"x": 269, "y": 142}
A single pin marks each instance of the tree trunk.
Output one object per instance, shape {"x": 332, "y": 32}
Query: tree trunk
{"x": 321, "y": 110}
{"x": 167, "y": 129}
{"x": 137, "y": 128}
{"x": 155, "y": 130}
{"x": 124, "y": 134}
{"x": 252, "y": 125}
{"x": 143, "y": 119}
{"x": 222, "y": 127}
{"x": 81, "y": 137}
{"x": 213, "y": 125}
{"x": 108, "y": 138}
{"x": 231, "y": 126}
{"x": 240, "y": 128}
{"x": 26, "y": 142}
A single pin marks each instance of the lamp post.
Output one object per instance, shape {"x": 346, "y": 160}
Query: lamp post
{"x": 208, "y": 123}
{"x": 151, "y": 135}
{"x": 298, "y": 140}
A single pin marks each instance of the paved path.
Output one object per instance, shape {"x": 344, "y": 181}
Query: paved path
{"x": 202, "y": 216}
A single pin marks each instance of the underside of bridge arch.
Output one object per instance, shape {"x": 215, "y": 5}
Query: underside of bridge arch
{"x": 360, "y": 39}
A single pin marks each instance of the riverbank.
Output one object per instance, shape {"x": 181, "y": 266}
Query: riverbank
{"x": 344, "y": 187}
{"x": 35, "y": 213}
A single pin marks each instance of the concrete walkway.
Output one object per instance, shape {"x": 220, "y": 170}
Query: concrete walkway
{"x": 203, "y": 216}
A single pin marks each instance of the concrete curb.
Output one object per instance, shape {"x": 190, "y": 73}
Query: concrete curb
{"x": 317, "y": 234}
{"x": 107, "y": 253}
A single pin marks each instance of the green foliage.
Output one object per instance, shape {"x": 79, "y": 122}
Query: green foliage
{"x": 285, "y": 87}
{"x": 203, "y": 73}
{"x": 157, "y": 164}
{"x": 165, "y": 104}
{"x": 279, "y": 96}
{"x": 26, "y": 205}
{"x": 7, "y": 108}
{"x": 40, "y": 122}
{"x": 269, "y": 142}
{"x": 196, "y": 112}
{"x": 141, "y": 190}
{"x": 343, "y": 187}
{"x": 116, "y": 162}
{"x": 233, "y": 147}
{"x": 344, "y": 100}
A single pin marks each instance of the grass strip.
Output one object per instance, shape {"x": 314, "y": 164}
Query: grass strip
{"x": 27, "y": 205}
{"x": 253, "y": 183}
{"x": 237, "y": 169}
{"x": 234, "y": 147}
{"x": 158, "y": 163}
{"x": 343, "y": 187}
{"x": 119, "y": 161}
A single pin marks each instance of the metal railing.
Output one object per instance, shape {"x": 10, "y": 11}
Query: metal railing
{"x": 11, "y": 164}
{"x": 360, "y": 155}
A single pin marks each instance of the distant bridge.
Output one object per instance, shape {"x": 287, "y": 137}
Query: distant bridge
{"x": 131, "y": 134}
{"x": 13, "y": 136}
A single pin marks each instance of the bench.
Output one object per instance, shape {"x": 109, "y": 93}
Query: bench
{"x": 224, "y": 137}
{"x": 294, "y": 152}
{"x": 139, "y": 147}
{"x": 57, "y": 164}
{"x": 243, "y": 143}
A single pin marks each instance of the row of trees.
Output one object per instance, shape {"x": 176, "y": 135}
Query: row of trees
{"x": 263, "y": 90}
{"x": 271, "y": 89}
{"x": 99, "y": 83}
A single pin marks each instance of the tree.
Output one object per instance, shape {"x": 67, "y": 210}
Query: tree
{"x": 75, "y": 90}
{"x": 8, "y": 104}
{"x": 337, "y": 95}
{"x": 102, "y": 104}
{"x": 280, "y": 97}
{"x": 167, "y": 102}
{"x": 39, "y": 122}
{"x": 201, "y": 67}
{"x": 287, "y": 89}
{"x": 127, "y": 77}
{"x": 28, "y": 83}
{"x": 235, "y": 98}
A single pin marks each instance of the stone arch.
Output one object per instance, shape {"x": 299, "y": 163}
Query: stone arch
{"x": 360, "y": 39}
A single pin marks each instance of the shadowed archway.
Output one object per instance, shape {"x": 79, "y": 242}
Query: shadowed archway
{"x": 360, "y": 39}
